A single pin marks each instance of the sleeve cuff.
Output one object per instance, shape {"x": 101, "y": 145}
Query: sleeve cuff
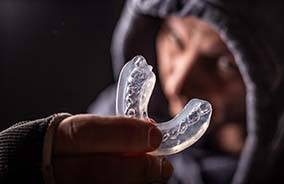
{"x": 48, "y": 145}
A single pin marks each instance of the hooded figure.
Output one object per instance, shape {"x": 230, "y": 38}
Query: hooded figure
{"x": 253, "y": 32}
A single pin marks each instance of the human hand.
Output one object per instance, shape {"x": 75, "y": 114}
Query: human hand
{"x": 96, "y": 149}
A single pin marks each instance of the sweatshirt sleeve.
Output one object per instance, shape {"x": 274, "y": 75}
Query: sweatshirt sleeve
{"x": 21, "y": 150}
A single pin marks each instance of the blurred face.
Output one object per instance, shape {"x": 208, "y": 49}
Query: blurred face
{"x": 194, "y": 62}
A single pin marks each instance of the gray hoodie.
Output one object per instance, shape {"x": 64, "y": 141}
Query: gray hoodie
{"x": 253, "y": 31}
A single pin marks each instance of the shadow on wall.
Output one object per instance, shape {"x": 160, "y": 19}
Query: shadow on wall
{"x": 55, "y": 56}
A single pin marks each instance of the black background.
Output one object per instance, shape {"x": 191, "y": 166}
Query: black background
{"x": 54, "y": 56}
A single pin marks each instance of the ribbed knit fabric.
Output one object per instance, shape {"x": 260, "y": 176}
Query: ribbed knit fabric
{"x": 21, "y": 152}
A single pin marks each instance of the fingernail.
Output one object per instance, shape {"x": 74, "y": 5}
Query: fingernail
{"x": 167, "y": 169}
{"x": 154, "y": 137}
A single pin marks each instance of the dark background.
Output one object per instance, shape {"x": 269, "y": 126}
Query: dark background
{"x": 54, "y": 56}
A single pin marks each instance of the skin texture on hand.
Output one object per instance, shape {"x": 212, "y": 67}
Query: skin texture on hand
{"x": 94, "y": 149}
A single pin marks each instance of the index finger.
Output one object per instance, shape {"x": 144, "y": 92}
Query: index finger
{"x": 93, "y": 134}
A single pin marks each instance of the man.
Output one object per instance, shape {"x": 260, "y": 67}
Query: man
{"x": 226, "y": 53}
{"x": 89, "y": 148}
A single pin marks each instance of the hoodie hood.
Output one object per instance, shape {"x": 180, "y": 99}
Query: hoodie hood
{"x": 253, "y": 31}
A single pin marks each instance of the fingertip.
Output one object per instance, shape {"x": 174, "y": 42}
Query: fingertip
{"x": 167, "y": 169}
{"x": 152, "y": 121}
{"x": 159, "y": 169}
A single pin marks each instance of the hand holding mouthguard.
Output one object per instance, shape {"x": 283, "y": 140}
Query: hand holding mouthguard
{"x": 135, "y": 86}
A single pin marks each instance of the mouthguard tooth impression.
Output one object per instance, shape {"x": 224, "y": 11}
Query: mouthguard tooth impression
{"x": 135, "y": 86}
